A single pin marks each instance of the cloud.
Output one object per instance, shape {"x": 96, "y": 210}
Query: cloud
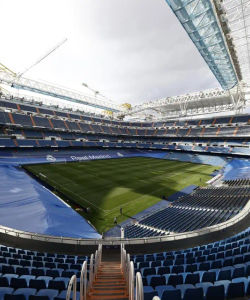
{"x": 129, "y": 50}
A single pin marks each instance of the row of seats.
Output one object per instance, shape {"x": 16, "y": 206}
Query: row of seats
{"x": 47, "y": 111}
{"x": 32, "y": 133}
{"x": 26, "y": 274}
{"x": 204, "y": 207}
{"x": 223, "y": 273}
{"x": 237, "y": 182}
{"x": 39, "y": 143}
{"x": 28, "y": 121}
{"x": 219, "y": 290}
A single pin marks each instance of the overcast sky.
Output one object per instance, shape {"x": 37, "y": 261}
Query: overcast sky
{"x": 129, "y": 50}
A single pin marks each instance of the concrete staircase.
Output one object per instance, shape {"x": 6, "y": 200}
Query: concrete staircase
{"x": 109, "y": 282}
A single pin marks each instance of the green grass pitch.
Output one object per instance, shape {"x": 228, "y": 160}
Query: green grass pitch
{"x": 131, "y": 183}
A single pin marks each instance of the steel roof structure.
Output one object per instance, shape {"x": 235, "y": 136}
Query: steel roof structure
{"x": 238, "y": 18}
{"x": 57, "y": 92}
{"x": 204, "y": 102}
{"x": 200, "y": 20}
{"x": 220, "y": 29}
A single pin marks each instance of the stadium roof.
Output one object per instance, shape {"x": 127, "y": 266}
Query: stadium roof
{"x": 202, "y": 22}
{"x": 238, "y": 16}
{"x": 221, "y": 32}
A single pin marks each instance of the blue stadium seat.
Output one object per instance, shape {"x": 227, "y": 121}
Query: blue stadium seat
{"x": 161, "y": 288}
{"x": 62, "y": 295}
{"x": 17, "y": 283}
{"x": 171, "y": 294}
{"x": 162, "y": 270}
{"x": 209, "y": 277}
{"x": 239, "y": 271}
{"x": 246, "y": 282}
{"x": 192, "y": 278}
{"x": 204, "y": 286}
{"x": 10, "y": 276}
{"x": 4, "y": 282}
{"x": 47, "y": 292}
{"x": 224, "y": 275}
{"x": 235, "y": 290}
{"x": 184, "y": 287}
{"x": 174, "y": 280}
{"x": 157, "y": 280}
{"x": 148, "y": 271}
{"x": 57, "y": 285}
{"x": 150, "y": 295}
{"x": 5, "y": 290}
{"x": 216, "y": 292}
{"x": 225, "y": 283}
{"x": 37, "y": 284}
{"x": 193, "y": 294}
{"x": 26, "y": 292}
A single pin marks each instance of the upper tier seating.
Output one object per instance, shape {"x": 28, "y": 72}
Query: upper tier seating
{"x": 42, "y": 110}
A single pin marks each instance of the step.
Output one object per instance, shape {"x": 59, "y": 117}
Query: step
{"x": 109, "y": 285}
{"x": 102, "y": 288}
{"x": 100, "y": 277}
{"x": 106, "y": 283}
{"x": 108, "y": 298}
{"x": 108, "y": 293}
{"x": 109, "y": 273}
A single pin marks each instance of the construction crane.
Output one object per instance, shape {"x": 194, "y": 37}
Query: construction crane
{"x": 92, "y": 90}
{"x": 42, "y": 58}
{"x": 17, "y": 76}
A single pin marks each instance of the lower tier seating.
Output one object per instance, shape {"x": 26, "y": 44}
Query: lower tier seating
{"x": 28, "y": 274}
{"x": 216, "y": 271}
{"x": 205, "y": 207}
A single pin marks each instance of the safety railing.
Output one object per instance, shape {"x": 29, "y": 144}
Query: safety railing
{"x": 131, "y": 279}
{"x": 95, "y": 261}
{"x": 139, "y": 294}
{"x": 117, "y": 241}
{"x": 72, "y": 282}
{"x": 85, "y": 284}
{"x": 83, "y": 281}
{"x": 129, "y": 274}
{"x": 91, "y": 270}
{"x": 98, "y": 258}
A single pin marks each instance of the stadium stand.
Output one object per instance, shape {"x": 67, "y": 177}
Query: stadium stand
{"x": 200, "y": 272}
{"x": 206, "y": 207}
{"x": 219, "y": 270}
{"x": 26, "y": 273}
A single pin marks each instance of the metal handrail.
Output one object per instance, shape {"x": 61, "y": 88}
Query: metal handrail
{"x": 129, "y": 272}
{"x": 91, "y": 270}
{"x": 83, "y": 282}
{"x": 95, "y": 263}
{"x": 118, "y": 241}
{"x": 131, "y": 241}
{"x": 139, "y": 287}
{"x": 72, "y": 283}
{"x": 131, "y": 280}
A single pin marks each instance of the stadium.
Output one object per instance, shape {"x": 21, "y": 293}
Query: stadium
{"x": 151, "y": 200}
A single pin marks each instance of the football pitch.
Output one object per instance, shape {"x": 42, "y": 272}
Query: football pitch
{"x": 131, "y": 183}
